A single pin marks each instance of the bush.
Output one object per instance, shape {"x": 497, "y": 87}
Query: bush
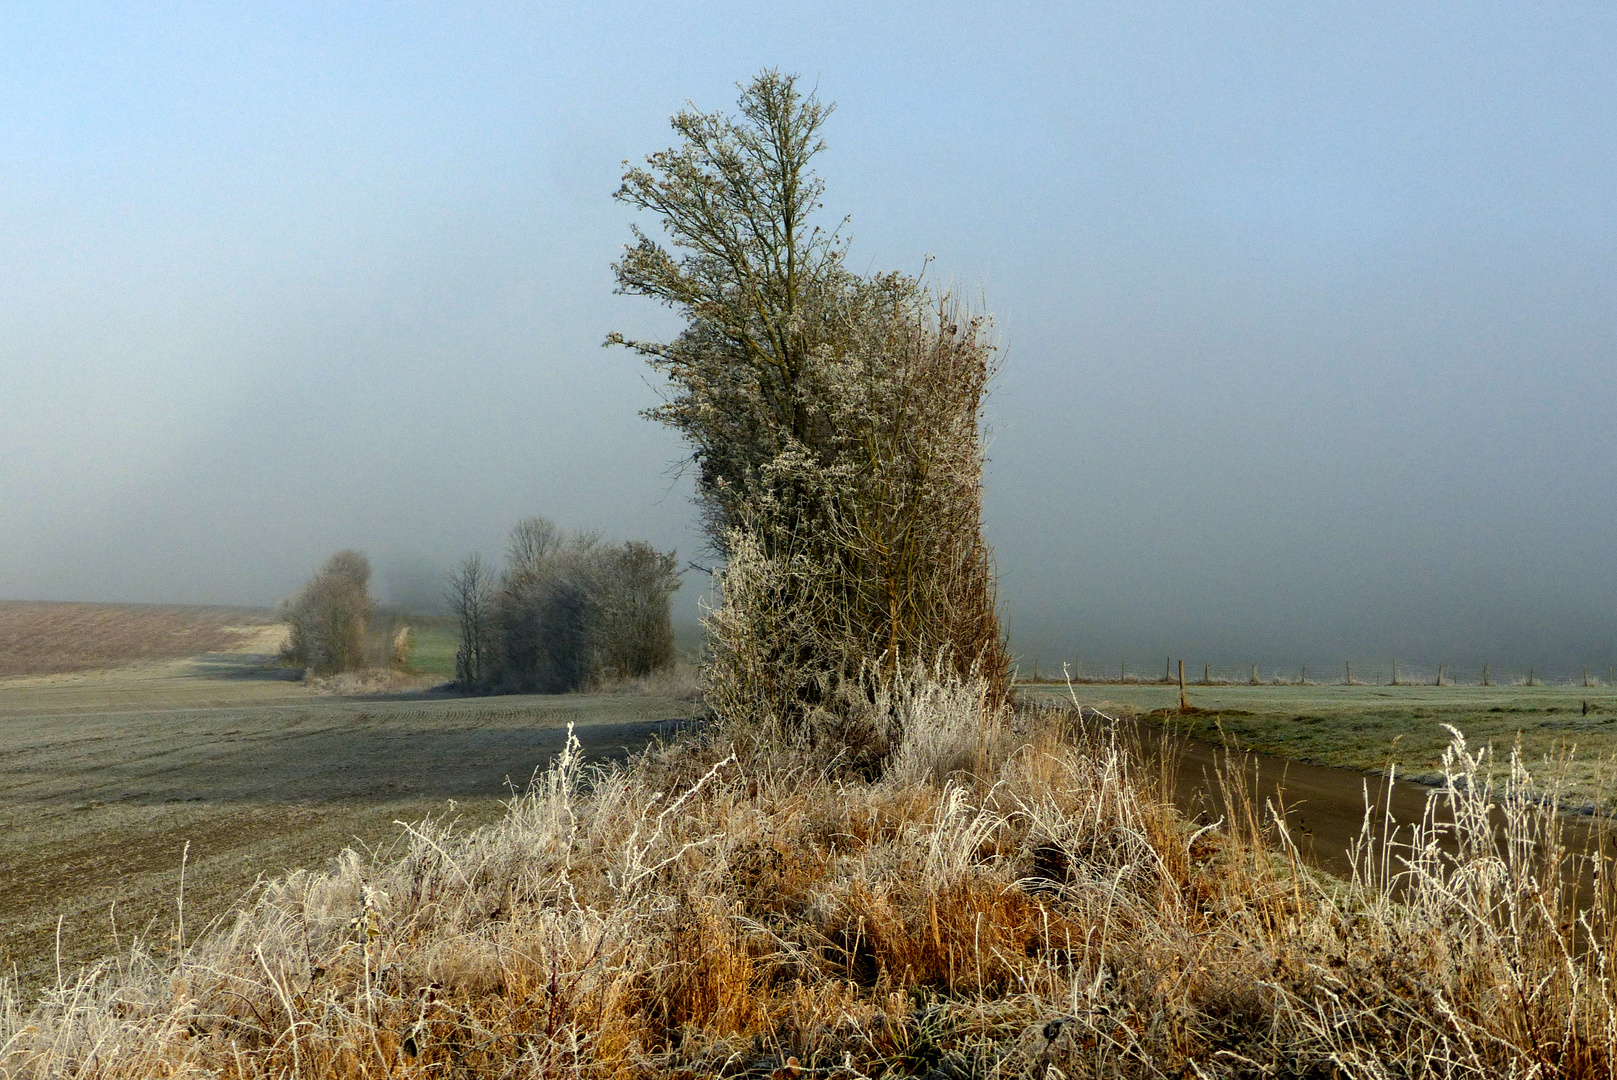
{"x": 329, "y": 615}
{"x": 632, "y": 631}
{"x": 572, "y": 611}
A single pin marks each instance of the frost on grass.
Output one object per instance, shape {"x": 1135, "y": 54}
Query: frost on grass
{"x": 1031, "y": 908}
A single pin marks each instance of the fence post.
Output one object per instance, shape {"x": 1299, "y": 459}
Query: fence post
{"x": 1349, "y": 664}
{"x": 1182, "y": 706}
{"x": 1395, "y": 673}
{"x": 1305, "y": 676}
{"x": 1207, "y": 674}
{"x": 1485, "y": 681}
{"x": 1122, "y": 671}
{"x": 1529, "y": 676}
{"x": 1440, "y": 674}
{"x": 1254, "y": 674}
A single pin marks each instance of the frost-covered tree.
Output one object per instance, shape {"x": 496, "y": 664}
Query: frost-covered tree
{"x": 833, "y": 418}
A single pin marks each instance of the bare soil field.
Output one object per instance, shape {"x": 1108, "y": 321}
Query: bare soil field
{"x": 38, "y": 638}
{"x": 110, "y": 780}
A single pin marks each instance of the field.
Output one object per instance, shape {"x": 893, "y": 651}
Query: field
{"x": 109, "y": 780}
{"x": 1366, "y": 727}
{"x": 51, "y": 638}
{"x": 433, "y": 641}
{"x": 1013, "y": 897}
{"x": 1073, "y": 898}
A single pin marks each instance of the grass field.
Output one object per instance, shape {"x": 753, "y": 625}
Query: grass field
{"x": 433, "y": 642}
{"x": 1366, "y": 727}
{"x": 50, "y": 638}
{"x": 108, "y": 780}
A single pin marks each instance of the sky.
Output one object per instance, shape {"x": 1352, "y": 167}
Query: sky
{"x": 1307, "y": 313}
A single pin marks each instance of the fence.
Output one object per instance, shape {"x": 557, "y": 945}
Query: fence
{"x": 1340, "y": 673}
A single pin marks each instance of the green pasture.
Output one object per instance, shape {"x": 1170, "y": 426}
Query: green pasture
{"x": 433, "y": 643}
{"x": 1368, "y": 727}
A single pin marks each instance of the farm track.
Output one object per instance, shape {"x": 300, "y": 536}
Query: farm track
{"x": 106, "y": 778}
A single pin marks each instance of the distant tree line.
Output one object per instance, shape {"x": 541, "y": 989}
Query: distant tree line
{"x": 567, "y": 612}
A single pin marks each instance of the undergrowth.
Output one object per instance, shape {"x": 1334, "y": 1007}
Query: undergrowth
{"x": 1017, "y": 897}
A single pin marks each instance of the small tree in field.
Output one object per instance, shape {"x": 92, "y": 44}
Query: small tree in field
{"x": 833, "y": 419}
{"x": 470, "y": 593}
{"x": 328, "y": 616}
{"x": 632, "y": 629}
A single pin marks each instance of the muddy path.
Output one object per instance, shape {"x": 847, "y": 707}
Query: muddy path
{"x": 1323, "y": 807}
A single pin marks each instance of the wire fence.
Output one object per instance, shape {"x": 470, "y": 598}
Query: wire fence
{"x": 1340, "y": 673}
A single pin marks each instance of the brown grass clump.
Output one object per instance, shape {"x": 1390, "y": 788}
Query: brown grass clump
{"x": 1046, "y": 913}
{"x": 41, "y": 638}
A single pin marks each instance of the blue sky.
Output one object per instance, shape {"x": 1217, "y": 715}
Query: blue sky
{"x": 1307, "y": 310}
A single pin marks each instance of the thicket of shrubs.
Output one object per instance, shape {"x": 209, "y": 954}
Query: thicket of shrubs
{"x": 329, "y": 616}
{"x": 567, "y": 612}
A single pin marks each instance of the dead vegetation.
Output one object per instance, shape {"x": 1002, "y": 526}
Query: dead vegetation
{"x": 1015, "y": 897}
{"x": 40, "y": 638}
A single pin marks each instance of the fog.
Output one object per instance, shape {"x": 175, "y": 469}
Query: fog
{"x": 1307, "y": 314}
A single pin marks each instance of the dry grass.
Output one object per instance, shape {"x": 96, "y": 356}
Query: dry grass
{"x": 367, "y": 682}
{"x": 692, "y": 914}
{"x": 38, "y": 638}
{"x": 680, "y": 681}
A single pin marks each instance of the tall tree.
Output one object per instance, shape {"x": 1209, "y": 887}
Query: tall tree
{"x": 833, "y": 419}
{"x": 755, "y": 279}
{"x": 470, "y": 593}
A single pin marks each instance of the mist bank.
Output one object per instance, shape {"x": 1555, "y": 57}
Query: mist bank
{"x": 1551, "y": 641}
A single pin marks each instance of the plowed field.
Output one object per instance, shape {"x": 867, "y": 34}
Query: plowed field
{"x": 108, "y": 780}
{"x": 50, "y": 638}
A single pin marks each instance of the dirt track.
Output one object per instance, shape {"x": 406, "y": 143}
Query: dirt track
{"x": 104, "y": 780}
